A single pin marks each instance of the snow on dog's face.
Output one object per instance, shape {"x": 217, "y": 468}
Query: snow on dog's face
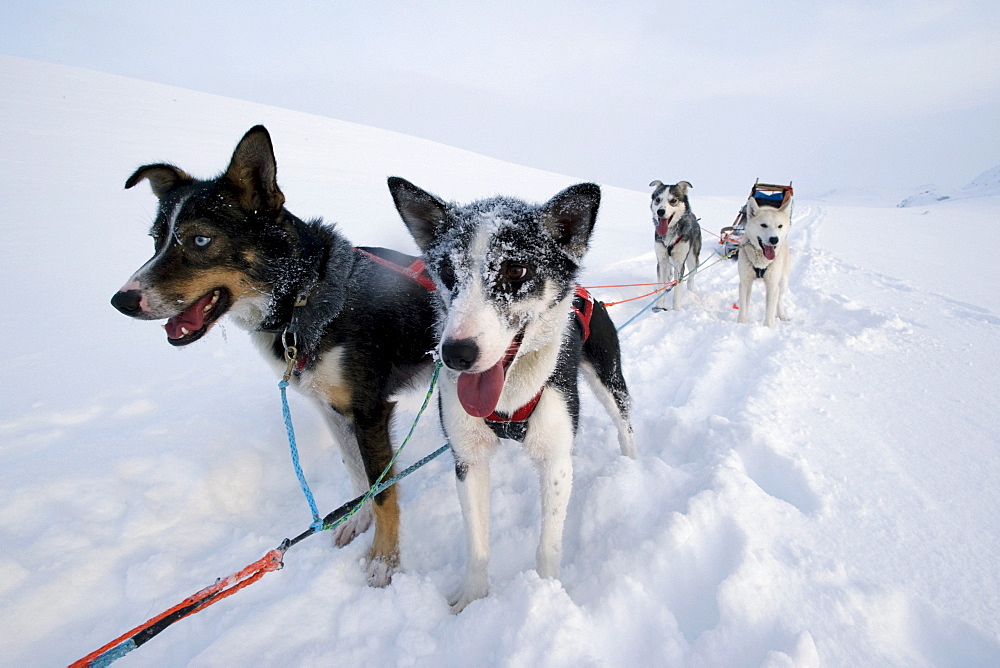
{"x": 505, "y": 272}
{"x": 669, "y": 202}
{"x": 766, "y": 226}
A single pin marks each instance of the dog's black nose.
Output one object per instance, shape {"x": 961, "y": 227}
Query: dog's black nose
{"x": 774, "y": 241}
{"x": 127, "y": 302}
{"x": 459, "y": 354}
{"x": 660, "y": 212}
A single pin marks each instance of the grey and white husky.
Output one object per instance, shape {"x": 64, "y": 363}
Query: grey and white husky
{"x": 514, "y": 331}
{"x": 764, "y": 255}
{"x": 676, "y": 239}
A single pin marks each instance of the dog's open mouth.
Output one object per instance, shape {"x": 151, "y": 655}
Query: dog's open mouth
{"x": 767, "y": 250}
{"x": 194, "y": 322}
{"x": 662, "y": 224}
{"x": 479, "y": 393}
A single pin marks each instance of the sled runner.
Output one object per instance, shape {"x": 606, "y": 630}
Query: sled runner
{"x": 765, "y": 194}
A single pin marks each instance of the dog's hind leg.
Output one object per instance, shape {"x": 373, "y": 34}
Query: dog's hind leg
{"x": 602, "y": 368}
{"x": 615, "y": 402}
{"x": 351, "y": 456}
{"x": 693, "y": 261}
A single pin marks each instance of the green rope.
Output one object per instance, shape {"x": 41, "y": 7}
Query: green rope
{"x": 379, "y": 485}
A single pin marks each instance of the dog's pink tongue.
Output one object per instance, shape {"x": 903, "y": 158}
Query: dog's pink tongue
{"x": 480, "y": 392}
{"x": 192, "y": 319}
{"x": 661, "y": 226}
{"x": 768, "y": 252}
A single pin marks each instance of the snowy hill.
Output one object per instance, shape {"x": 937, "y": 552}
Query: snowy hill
{"x": 823, "y": 493}
{"x": 986, "y": 184}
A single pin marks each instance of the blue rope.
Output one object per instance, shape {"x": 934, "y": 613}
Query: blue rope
{"x": 113, "y": 654}
{"x": 380, "y": 485}
{"x": 644, "y": 309}
{"x": 317, "y": 523}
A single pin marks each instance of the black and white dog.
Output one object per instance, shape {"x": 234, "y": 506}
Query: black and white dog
{"x": 361, "y": 330}
{"x": 513, "y": 344}
{"x": 677, "y": 239}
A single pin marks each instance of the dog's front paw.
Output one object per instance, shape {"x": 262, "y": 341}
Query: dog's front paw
{"x": 353, "y": 527}
{"x": 381, "y": 570}
{"x": 464, "y": 596}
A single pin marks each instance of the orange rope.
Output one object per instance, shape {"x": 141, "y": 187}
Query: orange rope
{"x": 632, "y": 299}
{"x": 198, "y": 601}
{"x": 625, "y": 285}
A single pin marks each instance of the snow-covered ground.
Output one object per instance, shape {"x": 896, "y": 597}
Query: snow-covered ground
{"x": 824, "y": 493}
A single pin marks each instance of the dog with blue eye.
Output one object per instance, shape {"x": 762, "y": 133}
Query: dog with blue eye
{"x": 359, "y": 320}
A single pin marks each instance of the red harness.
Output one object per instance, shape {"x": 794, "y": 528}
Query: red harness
{"x": 416, "y": 271}
{"x": 583, "y": 316}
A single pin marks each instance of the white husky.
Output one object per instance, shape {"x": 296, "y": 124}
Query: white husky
{"x": 764, "y": 255}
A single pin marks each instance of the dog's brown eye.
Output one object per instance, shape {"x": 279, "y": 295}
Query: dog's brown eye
{"x": 673, "y": 202}
{"x": 515, "y": 272}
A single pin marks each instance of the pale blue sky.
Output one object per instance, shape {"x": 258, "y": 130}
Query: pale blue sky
{"x": 894, "y": 93}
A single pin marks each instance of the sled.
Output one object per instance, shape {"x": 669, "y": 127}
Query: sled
{"x": 765, "y": 194}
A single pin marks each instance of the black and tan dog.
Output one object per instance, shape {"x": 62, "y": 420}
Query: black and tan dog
{"x": 361, "y": 329}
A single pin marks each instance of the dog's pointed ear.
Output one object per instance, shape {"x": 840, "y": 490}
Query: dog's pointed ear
{"x": 787, "y": 204}
{"x": 684, "y": 186}
{"x": 253, "y": 172}
{"x": 655, "y": 184}
{"x": 421, "y": 211}
{"x": 162, "y": 178}
{"x": 752, "y": 208}
{"x": 569, "y": 217}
